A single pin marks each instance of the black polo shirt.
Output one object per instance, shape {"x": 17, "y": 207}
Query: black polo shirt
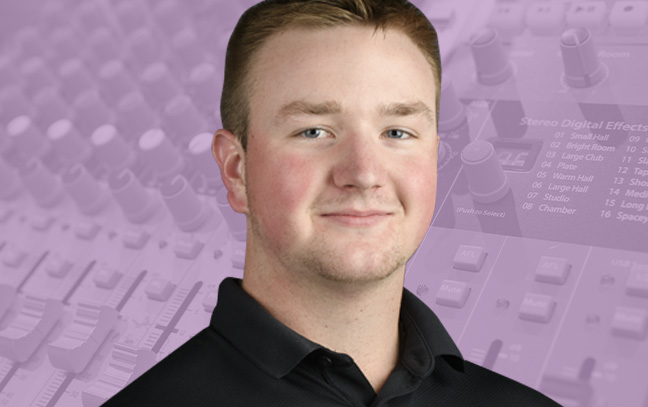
{"x": 246, "y": 357}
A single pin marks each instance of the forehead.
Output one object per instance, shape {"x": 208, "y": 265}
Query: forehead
{"x": 301, "y": 63}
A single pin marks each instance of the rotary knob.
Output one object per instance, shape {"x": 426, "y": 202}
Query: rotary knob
{"x": 131, "y": 196}
{"x": 41, "y": 183}
{"x": 68, "y": 143}
{"x": 201, "y": 155}
{"x": 452, "y": 112}
{"x": 111, "y": 148}
{"x": 582, "y": 65}
{"x": 188, "y": 211}
{"x": 492, "y": 63}
{"x": 487, "y": 180}
{"x": 163, "y": 157}
{"x": 85, "y": 191}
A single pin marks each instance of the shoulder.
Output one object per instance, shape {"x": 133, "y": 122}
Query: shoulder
{"x": 185, "y": 376}
{"x": 492, "y": 388}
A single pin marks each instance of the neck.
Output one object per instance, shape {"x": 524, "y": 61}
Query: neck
{"x": 358, "y": 319}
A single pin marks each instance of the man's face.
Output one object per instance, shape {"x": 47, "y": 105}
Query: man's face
{"x": 341, "y": 126}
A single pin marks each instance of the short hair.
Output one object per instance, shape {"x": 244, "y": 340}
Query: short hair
{"x": 270, "y": 17}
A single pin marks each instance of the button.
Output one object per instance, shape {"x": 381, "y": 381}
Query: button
{"x": 546, "y": 18}
{"x": 487, "y": 180}
{"x": 29, "y": 328}
{"x": 590, "y": 14}
{"x": 325, "y": 361}
{"x": 87, "y": 230}
{"x": 188, "y": 248}
{"x": 629, "y": 17}
{"x": 469, "y": 258}
{"x": 106, "y": 277}
{"x": 210, "y": 300}
{"x": 508, "y": 18}
{"x": 13, "y": 257}
{"x": 452, "y": 293}
{"x": 537, "y": 308}
{"x": 552, "y": 270}
{"x": 135, "y": 239}
{"x": 630, "y": 322}
{"x": 57, "y": 266}
{"x": 77, "y": 345}
{"x": 160, "y": 289}
{"x": 637, "y": 283}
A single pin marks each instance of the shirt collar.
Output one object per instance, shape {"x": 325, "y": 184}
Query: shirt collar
{"x": 277, "y": 349}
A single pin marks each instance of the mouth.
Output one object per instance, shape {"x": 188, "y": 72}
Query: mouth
{"x": 354, "y": 218}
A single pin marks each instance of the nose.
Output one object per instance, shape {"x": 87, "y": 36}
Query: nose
{"x": 359, "y": 163}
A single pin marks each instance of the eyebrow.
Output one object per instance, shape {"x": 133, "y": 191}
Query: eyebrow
{"x": 303, "y": 108}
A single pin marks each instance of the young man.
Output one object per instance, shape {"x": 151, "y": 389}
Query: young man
{"x": 330, "y": 150}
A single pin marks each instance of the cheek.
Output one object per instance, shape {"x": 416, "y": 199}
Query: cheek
{"x": 421, "y": 183}
{"x": 280, "y": 185}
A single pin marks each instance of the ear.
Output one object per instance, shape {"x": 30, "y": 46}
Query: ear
{"x": 229, "y": 154}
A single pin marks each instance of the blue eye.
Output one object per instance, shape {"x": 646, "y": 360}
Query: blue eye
{"x": 313, "y": 133}
{"x": 397, "y": 134}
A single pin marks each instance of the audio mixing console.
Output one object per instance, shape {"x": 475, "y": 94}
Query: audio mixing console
{"x": 115, "y": 230}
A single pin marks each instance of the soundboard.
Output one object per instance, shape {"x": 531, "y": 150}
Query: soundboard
{"x": 115, "y": 229}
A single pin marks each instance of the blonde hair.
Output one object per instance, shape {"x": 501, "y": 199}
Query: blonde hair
{"x": 269, "y": 17}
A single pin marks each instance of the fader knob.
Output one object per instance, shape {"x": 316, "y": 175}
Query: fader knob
{"x": 188, "y": 211}
{"x": 452, "y": 112}
{"x": 131, "y": 196}
{"x": 492, "y": 63}
{"x": 582, "y": 65}
{"x": 487, "y": 180}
